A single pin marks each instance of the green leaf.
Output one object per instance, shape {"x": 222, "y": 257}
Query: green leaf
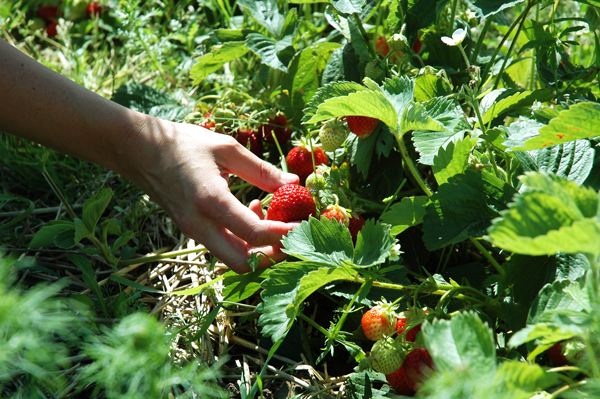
{"x": 373, "y": 244}
{"x": 303, "y": 78}
{"x": 573, "y": 160}
{"x": 528, "y": 275}
{"x": 496, "y": 103}
{"x": 65, "y": 239}
{"x": 488, "y": 8}
{"x": 93, "y": 209}
{"x": 464, "y": 342}
{"x": 81, "y": 231}
{"x": 552, "y": 297}
{"x": 542, "y": 332}
{"x": 406, "y": 213}
{"x": 452, "y": 160}
{"x": 142, "y": 98}
{"x": 275, "y": 53}
{"x": 348, "y": 6}
{"x": 423, "y": 13}
{"x": 460, "y": 209}
{"x": 400, "y": 92}
{"x": 122, "y": 240}
{"x": 578, "y": 122}
{"x": 361, "y": 151}
{"x": 333, "y": 90}
{"x": 430, "y": 84}
{"x": 47, "y": 234}
{"x": 279, "y": 291}
{"x": 371, "y": 103}
{"x": 523, "y": 378}
{"x": 340, "y": 66}
{"x": 214, "y": 60}
{"x": 89, "y": 278}
{"x": 519, "y": 132}
{"x": 8, "y": 198}
{"x": 317, "y": 279}
{"x": 549, "y": 218}
{"x": 416, "y": 117}
{"x": 242, "y": 286}
{"x": 323, "y": 241}
{"x": 133, "y": 284}
{"x": 267, "y": 14}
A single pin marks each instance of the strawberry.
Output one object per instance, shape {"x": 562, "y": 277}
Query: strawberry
{"x": 299, "y": 161}
{"x": 381, "y": 46}
{"x": 362, "y": 126}
{"x": 333, "y": 133}
{"x": 416, "y": 366}
{"x": 415, "y": 315}
{"x": 417, "y": 45}
{"x": 386, "y": 357}
{"x": 375, "y": 71}
{"x": 245, "y": 136}
{"x": 378, "y": 322}
{"x": 207, "y": 122}
{"x": 48, "y": 13}
{"x": 278, "y": 126}
{"x": 355, "y": 225}
{"x": 94, "y": 9}
{"x": 51, "y": 29}
{"x": 557, "y": 355}
{"x": 291, "y": 203}
{"x": 399, "y": 381}
{"x": 336, "y": 212}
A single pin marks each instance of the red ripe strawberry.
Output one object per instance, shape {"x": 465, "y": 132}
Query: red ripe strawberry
{"x": 291, "y": 203}
{"x": 386, "y": 357}
{"x": 207, "y": 122}
{"x": 355, "y": 225}
{"x": 51, "y": 29}
{"x": 336, "y": 212}
{"x": 557, "y": 355}
{"x": 279, "y": 127}
{"x": 362, "y": 126}
{"x": 378, "y": 322}
{"x": 299, "y": 161}
{"x": 381, "y": 46}
{"x": 245, "y": 136}
{"x": 416, "y": 366}
{"x": 417, "y": 45}
{"x": 48, "y": 13}
{"x": 94, "y": 9}
{"x": 415, "y": 315}
{"x": 399, "y": 381}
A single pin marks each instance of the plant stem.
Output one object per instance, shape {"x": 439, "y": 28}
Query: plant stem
{"x": 497, "y": 51}
{"x": 313, "y": 323}
{"x": 364, "y": 35}
{"x": 487, "y": 255}
{"x": 387, "y": 206}
{"x": 452, "y": 17}
{"x": 411, "y": 167}
{"x": 484, "y": 30}
{"x": 58, "y": 193}
{"x": 512, "y": 45}
{"x": 162, "y": 256}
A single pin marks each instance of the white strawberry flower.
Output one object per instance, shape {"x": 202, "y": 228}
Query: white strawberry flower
{"x": 395, "y": 252}
{"x": 457, "y": 37}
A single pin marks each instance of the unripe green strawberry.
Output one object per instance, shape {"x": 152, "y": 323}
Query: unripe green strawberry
{"x": 398, "y": 42}
{"x": 315, "y": 182}
{"x": 333, "y": 133}
{"x": 336, "y": 212}
{"x": 375, "y": 71}
{"x": 291, "y": 203}
{"x": 378, "y": 322}
{"x": 386, "y": 356}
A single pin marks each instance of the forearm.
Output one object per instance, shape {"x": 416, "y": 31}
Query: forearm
{"x": 41, "y": 105}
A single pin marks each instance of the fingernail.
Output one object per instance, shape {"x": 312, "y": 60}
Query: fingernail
{"x": 289, "y": 178}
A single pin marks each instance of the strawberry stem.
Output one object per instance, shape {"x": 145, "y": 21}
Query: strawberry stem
{"x": 284, "y": 166}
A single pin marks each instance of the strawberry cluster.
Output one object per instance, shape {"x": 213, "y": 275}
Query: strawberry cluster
{"x": 404, "y": 362}
{"x": 47, "y": 16}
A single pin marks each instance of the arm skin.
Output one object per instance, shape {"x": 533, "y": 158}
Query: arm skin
{"x": 184, "y": 168}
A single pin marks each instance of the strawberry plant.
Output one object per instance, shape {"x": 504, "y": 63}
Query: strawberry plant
{"x": 466, "y": 201}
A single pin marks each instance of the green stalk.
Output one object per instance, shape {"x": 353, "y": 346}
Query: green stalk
{"x": 58, "y": 193}
{"x": 452, "y": 17}
{"x": 512, "y": 45}
{"x": 488, "y": 256}
{"x": 484, "y": 30}
{"x": 497, "y": 51}
{"x": 412, "y": 168}
{"x": 313, "y": 323}
{"x": 166, "y": 255}
{"x": 532, "y": 82}
{"x": 364, "y": 35}
{"x": 393, "y": 198}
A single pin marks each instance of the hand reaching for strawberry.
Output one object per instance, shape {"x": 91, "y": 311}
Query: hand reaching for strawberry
{"x": 184, "y": 168}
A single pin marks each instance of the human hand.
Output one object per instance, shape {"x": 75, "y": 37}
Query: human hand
{"x": 185, "y": 169}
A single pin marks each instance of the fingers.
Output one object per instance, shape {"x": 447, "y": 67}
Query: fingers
{"x": 251, "y": 168}
{"x": 256, "y": 207}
